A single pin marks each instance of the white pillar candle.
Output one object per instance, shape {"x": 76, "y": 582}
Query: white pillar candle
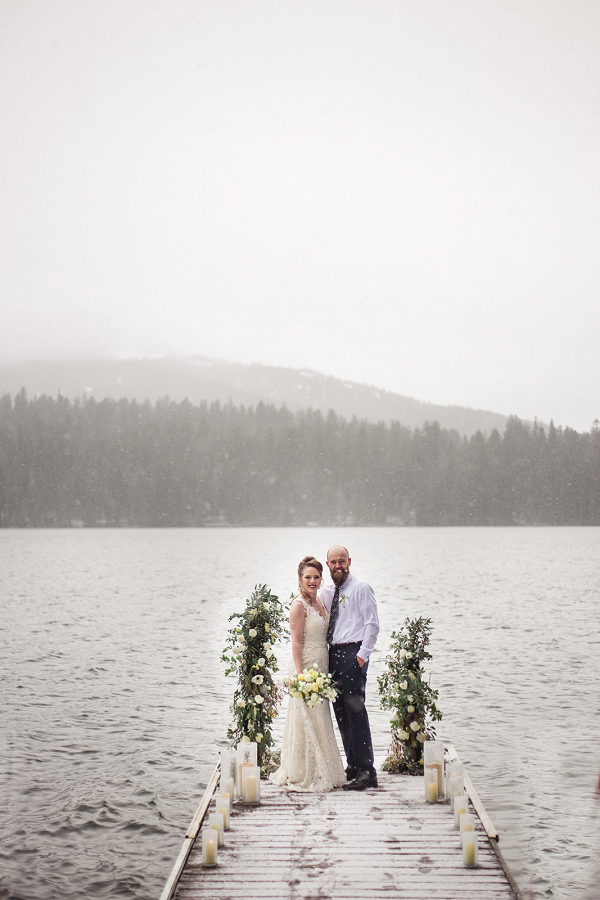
{"x": 431, "y": 785}
{"x": 433, "y": 757}
{"x": 461, "y": 805}
{"x": 454, "y": 788}
{"x": 210, "y": 841}
{"x": 467, "y": 823}
{"x": 222, "y": 807}
{"x": 454, "y": 767}
{"x": 228, "y": 760}
{"x": 225, "y": 795}
{"x": 239, "y": 782}
{"x": 216, "y": 821}
{"x": 251, "y": 789}
{"x": 470, "y": 849}
{"x": 247, "y": 755}
{"x": 251, "y": 784}
{"x": 228, "y": 787}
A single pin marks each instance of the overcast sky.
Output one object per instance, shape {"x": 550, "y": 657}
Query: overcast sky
{"x": 400, "y": 193}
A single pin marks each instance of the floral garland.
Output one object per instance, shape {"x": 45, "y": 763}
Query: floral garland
{"x": 249, "y": 654}
{"x": 403, "y": 690}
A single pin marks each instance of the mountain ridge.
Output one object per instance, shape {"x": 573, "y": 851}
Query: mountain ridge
{"x": 202, "y": 379}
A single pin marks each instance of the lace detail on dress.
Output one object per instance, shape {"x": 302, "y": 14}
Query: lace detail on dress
{"x": 310, "y": 759}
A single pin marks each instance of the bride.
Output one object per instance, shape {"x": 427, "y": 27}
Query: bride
{"x": 310, "y": 759}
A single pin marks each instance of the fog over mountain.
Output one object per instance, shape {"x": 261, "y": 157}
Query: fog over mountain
{"x": 199, "y": 379}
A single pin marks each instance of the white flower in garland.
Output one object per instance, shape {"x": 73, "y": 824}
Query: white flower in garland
{"x": 258, "y": 699}
{"x": 258, "y": 737}
{"x": 403, "y": 685}
{"x": 415, "y": 726}
{"x": 258, "y": 679}
{"x": 260, "y": 662}
{"x": 409, "y": 709}
{"x": 252, "y": 633}
{"x": 421, "y": 737}
{"x": 241, "y": 638}
{"x": 403, "y": 735}
{"x": 240, "y": 702}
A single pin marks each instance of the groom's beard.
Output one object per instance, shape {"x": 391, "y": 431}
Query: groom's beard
{"x": 338, "y": 576}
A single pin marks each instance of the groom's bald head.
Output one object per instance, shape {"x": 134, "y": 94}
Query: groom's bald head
{"x": 338, "y": 563}
{"x": 337, "y": 550}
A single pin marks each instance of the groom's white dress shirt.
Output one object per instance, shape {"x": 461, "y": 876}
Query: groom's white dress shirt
{"x": 357, "y": 619}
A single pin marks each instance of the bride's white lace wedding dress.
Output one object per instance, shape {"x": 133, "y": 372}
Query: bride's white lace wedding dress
{"x": 310, "y": 759}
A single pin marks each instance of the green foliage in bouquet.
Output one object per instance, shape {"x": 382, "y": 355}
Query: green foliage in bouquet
{"x": 249, "y": 654}
{"x": 403, "y": 689}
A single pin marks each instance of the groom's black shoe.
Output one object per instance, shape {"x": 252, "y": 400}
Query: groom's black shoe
{"x": 362, "y": 781}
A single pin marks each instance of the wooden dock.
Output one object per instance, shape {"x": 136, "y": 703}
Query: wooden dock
{"x": 374, "y": 844}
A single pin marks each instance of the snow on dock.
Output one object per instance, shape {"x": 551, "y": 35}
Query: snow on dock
{"x": 374, "y": 844}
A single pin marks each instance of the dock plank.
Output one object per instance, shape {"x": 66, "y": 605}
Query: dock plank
{"x": 376, "y": 844}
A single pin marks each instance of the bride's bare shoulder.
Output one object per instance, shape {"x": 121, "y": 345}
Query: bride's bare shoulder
{"x": 297, "y": 612}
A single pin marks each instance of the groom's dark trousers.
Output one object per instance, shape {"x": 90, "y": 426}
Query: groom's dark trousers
{"x": 349, "y": 706}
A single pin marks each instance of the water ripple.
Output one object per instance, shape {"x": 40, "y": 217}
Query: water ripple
{"x": 115, "y": 702}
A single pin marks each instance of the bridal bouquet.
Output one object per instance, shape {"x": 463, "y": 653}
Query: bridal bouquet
{"x": 312, "y": 686}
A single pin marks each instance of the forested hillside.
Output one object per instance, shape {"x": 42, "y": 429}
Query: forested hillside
{"x": 122, "y": 463}
{"x": 199, "y": 379}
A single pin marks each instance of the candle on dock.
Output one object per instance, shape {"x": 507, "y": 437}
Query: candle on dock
{"x": 470, "y": 849}
{"x": 228, "y": 761}
{"x": 222, "y": 806}
{"x": 454, "y": 787}
{"x": 454, "y": 767}
{"x": 251, "y": 784}
{"x": 226, "y": 796}
{"x": 228, "y": 787}
{"x": 461, "y": 805}
{"x": 467, "y": 823}
{"x": 431, "y": 785}
{"x": 240, "y": 781}
{"x": 209, "y": 847}
{"x": 247, "y": 755}
{"x": 217, "y": 822}
{"x": 433, "y": 757}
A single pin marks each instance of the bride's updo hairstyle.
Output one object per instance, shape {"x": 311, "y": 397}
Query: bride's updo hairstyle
{"x": 312, "y": 563}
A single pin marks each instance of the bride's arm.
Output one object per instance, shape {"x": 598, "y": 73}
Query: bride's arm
{"x": 297, "y": 619}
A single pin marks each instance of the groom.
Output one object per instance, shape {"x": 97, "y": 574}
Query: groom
{"x": 352, "y": 632}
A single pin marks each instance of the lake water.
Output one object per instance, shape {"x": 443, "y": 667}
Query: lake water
{"x": 115, "y": 705}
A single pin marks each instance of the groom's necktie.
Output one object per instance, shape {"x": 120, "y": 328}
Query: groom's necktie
{"x": 335, "y": 609}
